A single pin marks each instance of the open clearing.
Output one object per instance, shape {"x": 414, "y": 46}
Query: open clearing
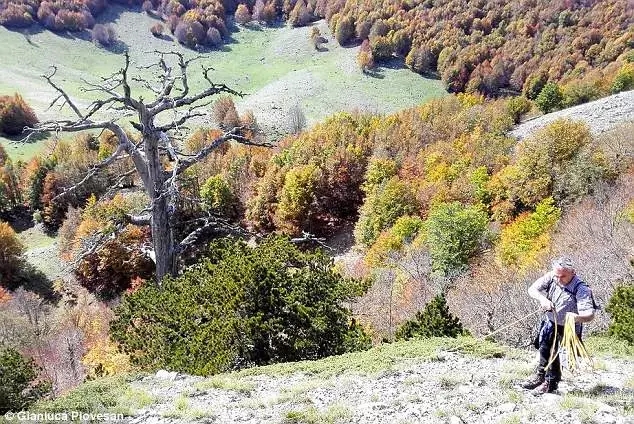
{"x": 277, "y": 68}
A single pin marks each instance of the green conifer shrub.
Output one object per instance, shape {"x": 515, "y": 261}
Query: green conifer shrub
{"x": 241, "y": 306}
{"x": 434, "y": 321}
{"x": 621, "y": 308}
{"x": 18, "y": 382}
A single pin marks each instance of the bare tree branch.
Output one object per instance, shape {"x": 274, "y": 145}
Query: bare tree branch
{"x": 139, "y": 220}
{"x": 69, "y": 102}
{"x": 308, "y": 237}
{"x": 217, "y": 223}
{"x": 229, "y": 135}
{"x": 91, "y": 173}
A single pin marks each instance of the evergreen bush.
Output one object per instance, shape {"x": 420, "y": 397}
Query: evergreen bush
{"x": 434, "y": 321}
{"x": 621, "y": 308}
{"x": 18, "y": 382}
{"x": 241, "y": 306}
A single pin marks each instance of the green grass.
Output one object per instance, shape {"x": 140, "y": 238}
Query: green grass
{"x": 622, "y": 399}
{"x": 311, "y": 415}
{"x": 274, "y": 66}
{"x": 226, "y": 382}
{"x": 385, "y": 357}
{"x": 23, "y": 151}
{"x": 609, "y": 346}
{"x": 106, "y": 395}
{"x": 34, "y": 238}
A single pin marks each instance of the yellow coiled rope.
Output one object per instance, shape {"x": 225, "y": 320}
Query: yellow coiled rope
{"x": 577, "y": 357}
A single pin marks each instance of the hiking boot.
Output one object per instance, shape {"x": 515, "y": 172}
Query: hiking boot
{"x": 533, "y": 383}
{"x": 545, "y": 387}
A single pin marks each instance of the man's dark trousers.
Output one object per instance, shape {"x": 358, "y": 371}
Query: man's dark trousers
{"x": 546, "y": 340}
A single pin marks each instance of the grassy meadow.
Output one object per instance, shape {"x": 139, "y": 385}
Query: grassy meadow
{"x": 277, "y": 69}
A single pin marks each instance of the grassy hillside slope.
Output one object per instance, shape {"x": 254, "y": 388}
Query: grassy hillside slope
{"x": 276, "y": 67}
{"x": 420, "y": 381}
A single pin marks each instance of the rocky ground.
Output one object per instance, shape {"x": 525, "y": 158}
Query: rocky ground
{"x": 601, "y": 115}
{"x": 448, "y": 388}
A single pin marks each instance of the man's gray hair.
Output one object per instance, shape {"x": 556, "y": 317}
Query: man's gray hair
{"x": 563, "y": 263}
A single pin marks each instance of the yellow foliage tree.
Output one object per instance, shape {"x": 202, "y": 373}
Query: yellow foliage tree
{"x": 524, "y": 241}
{"x": 104, "y": 358}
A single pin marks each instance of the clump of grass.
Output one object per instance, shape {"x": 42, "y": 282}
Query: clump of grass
{"x": 307, "y": 386}
{"x": 134, "y": 399}
{"x": 387, "y": 357}
{"x": 182, "y": 409}
{"x": 226, "y": 382}
{"x": 413, "y": 379}
{"x": 571, "y": 401}
{"x": 609, "y": 346}
{"x": 622, "y": 399}
{"x": 514, "y": 396}
{"x": 332, "y": 415}
{"x": 444, "y": 412}
{"x": 448, "y": 382}
{"x": 507, "y": 381}
{"x": 105, "y": 395}
{"x": 511, "y": 419}
{"x": 181, "y": 403}
{"x": 295, "y": 399}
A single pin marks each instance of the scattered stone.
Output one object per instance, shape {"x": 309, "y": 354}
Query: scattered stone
{"x": 410, "y": 392}
{"x": 506, "y": 408}
{"x": 615, "y": 109}
{"x": 601, "y": 418}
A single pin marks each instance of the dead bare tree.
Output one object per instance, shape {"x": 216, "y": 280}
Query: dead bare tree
{"x": 157, "y": 160}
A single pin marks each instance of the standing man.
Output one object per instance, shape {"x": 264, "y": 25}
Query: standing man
{"x": 560, "y": 292}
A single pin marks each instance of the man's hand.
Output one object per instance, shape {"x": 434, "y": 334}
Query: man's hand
{"x": 546, "y": 304}
{"x": 573, "y": 315}
{"x": 583, "y": 316}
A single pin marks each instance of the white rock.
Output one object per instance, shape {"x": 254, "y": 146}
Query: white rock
{"x": 604, "y": 418}
{"x": 551, "y": 397}
{"x": 605, "y": 408}
{"x": 455, "y": 420}
{"x": 506, "y": 407}
{"x": 166, "y": 375}
{"x": 464, "y": 389}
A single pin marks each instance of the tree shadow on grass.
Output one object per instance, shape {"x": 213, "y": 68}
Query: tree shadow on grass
{"x": 26, "y": 137}
{"x": 28, "y": 277}
{"x": 164, "y": 37}
{"x": 117, "y": 47}
{"x": 374, "y": 73}
{"x": 27, "y": 32}
{"x": 32, "y": 279}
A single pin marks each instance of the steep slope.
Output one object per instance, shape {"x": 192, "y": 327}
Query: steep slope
{"x": 425, "y": 381}
{"x": 600, "y": 115}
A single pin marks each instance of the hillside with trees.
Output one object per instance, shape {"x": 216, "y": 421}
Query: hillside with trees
{"x": 191, "y": 242}
{"x": 488, "y": 47}
{"x": 449, "y": 214}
